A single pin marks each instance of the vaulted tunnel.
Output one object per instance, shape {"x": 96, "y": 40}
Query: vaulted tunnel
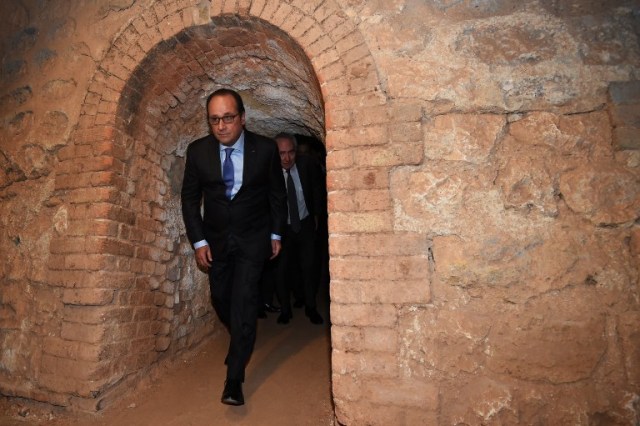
{"x": 161, "y": 110}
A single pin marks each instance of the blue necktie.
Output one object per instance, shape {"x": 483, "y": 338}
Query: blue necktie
{"x": 227, "y": 172}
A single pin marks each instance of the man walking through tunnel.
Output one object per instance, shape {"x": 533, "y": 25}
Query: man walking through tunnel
{"x": 236, "y": 175}
{"x": 304, "y": 194}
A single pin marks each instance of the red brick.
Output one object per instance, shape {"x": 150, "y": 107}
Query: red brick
{"x": 346, "y": 387}
{"x": 270, "y": 8}
{"x": 347, "y": 339}
{"x": 382, "y": 339}
{"x": 339, "y": 159}
{"x": 100, "y": 227}
{"x": 66, "y": 384}
{"x": 72, "y": 350}
{"x": 97, "y": 314}
{"x": 89, "y": 195}
{"x": 92, "y": 262}
{"x": 359, "y": 136}
{"x": 367, "y": 364}
{"x": 404, "y": 291}
{"x": 95, "y": 134}
{"x": 332, "y": 69}
{"x": 349, "y": 42}
{"x": 378, "y": 221}
{"x": 380, "y": 268}
{"x": 162, "y": 344}
{"x": 383, "y": 244}
{"x": 373, "y": 178}
{"x": 83, "y": 332}
{"x": 107, "y": 245}
{"x": 302, "y": 27}
{"x": 392, "y": 155}
{"x": 78, "y": 180}
{"x": 337, "y": 119}
{"x": 321, "y": 45}
{"x": 359, "y": 315}
{"x": 87, "y": 296}
{"x": 165, "y": 314}
{"x": 341, "y": 201}
{"x": 406, "y": 132}
{"x": 145, "y": 313}
{"x": 61, "y": 245}
{"x": 66, "y": 153}
{"x": 368, "y": 200}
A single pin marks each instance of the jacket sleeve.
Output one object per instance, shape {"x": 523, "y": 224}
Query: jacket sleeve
{"x": 191, "y": 198}
{"x": 277, "y": 194}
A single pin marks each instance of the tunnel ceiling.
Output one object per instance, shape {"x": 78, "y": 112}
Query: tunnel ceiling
{"x": 165, "y": 96}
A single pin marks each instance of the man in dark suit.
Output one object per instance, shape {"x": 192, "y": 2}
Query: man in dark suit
{"x": 302, "y": 176}
{"x": 236, "y": 176}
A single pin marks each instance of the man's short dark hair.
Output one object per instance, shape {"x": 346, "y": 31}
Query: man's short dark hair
{"x": 228, "y": 92}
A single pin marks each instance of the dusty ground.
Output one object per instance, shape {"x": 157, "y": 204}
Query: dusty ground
{"x": 288, "y": 383}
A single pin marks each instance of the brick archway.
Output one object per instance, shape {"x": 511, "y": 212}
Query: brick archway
{"x": 129, "y": 297}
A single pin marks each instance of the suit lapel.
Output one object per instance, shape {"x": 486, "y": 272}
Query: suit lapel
{"x": 214, "y": 157}
{"x": 249, "y": 158}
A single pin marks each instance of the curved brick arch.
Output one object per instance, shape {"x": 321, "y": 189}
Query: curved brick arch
{"x": 109, "y": 249}
{"x": 335, "y": 47}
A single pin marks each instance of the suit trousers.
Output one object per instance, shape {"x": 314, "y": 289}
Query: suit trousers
{"x": 234, "y": 283}
{"x": 298, "y": 249}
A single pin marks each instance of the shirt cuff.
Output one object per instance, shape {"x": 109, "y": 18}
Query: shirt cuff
{"x": 200, "y": 243}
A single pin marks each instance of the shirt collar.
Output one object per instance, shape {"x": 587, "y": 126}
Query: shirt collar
{"x": 238, "y": 146}
{"x": 291, "y": 169}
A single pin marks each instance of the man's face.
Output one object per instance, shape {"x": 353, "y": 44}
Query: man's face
{"x": 287, "y": 153}
{"x": 220, "y": 107}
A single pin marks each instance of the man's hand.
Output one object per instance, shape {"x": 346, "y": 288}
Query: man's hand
{"x": 276, "y": 245}
{"x": 203, "y": 257}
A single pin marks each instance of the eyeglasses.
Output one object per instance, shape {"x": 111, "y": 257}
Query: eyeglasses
{"x": 227, "y": 119}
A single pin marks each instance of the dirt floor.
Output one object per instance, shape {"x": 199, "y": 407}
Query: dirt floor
{"x": 287, "y": 383}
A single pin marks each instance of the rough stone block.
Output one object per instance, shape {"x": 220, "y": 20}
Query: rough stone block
{"x": 402, "y": 392}
{"x": 603, "y": 193}
{"x": 347, "y": 339}
{"x": 463, "y": 137}
{"x": 625, "y": 92}
{"x": 627, "y": 137}
{"x": 563, "y": 346}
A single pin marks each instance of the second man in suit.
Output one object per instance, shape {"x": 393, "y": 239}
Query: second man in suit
{"x": 302, "y": 177}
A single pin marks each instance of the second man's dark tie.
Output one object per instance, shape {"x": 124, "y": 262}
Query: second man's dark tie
{"x": 292, "y": 200}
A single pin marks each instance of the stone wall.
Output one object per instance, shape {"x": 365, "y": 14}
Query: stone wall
{"x": 484, "y": 177}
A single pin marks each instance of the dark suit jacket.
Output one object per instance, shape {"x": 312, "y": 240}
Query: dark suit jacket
{"x": 310, "y": 178}
{"x": 256, "y": 211}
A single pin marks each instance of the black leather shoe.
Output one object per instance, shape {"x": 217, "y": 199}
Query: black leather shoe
{"x": 232, "y": 394}
{"x": 314, "y": 316}
{"x": 284, "y": 317}
{"x": 271, "y": 308}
